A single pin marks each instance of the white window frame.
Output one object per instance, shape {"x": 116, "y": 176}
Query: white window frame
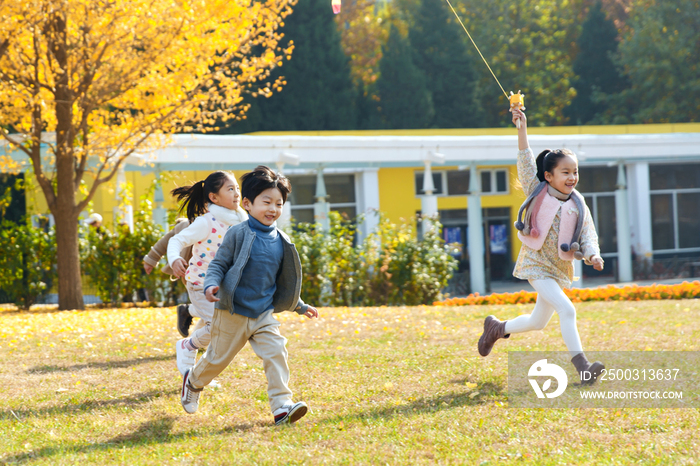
{"x": 326, "y": 172}
{"x": 594, "y": 213}
{"x": 493, "y": 172}
{"x": 443, "y": 175}
{"x": 674, "y": 203}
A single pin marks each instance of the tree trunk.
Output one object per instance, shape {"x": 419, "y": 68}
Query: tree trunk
{"x": 70, "y": 288}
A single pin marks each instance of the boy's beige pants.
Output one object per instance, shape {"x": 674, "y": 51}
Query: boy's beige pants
{"x": 229, "y": 334}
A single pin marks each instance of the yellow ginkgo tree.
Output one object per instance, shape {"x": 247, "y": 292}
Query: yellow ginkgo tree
{"x": 85, "y": 83}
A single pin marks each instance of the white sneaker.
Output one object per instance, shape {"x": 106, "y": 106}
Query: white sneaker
{"x": 185, "y": 357}
{"x": 290, "y": 413}
{"x": 189, "y": 397}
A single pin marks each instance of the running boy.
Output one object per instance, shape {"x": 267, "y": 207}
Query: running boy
{"x": 256, "y": 273}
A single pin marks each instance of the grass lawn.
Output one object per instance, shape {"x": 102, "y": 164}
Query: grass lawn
{"x": 385, "y": 386}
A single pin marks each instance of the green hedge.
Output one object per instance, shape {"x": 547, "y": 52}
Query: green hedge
{"x": 27, "y": 258}
{"x": 391, "y": 266}
{"x": 114, "y": 262}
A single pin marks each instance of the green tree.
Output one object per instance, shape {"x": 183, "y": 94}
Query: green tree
{"x": 441, "y": 53}
{"x": 594, "y": 68}
{"x": 86, "y": 84}
{"x": 318, "y": 92}
{"x": 529, "y": 45}
{"x": 659, "y": 54}
{"x": 405, "y": 101}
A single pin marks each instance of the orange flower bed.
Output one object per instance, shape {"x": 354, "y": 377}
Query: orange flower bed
{"x": 685, "y": 290}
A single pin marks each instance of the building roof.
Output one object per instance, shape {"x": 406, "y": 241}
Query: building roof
{"x": 362, "y": 150}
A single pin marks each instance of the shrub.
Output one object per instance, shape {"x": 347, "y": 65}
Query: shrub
{"x": 391, "y": 266}
{"x": 113, "y": 261}
{"x": 27, "y": 258}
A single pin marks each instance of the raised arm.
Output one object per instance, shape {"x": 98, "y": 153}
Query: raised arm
{"x": 527, "y": 168}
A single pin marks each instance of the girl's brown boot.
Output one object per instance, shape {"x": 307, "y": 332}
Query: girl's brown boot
{"x": 494, "y": 329}
{"x": 588, "y": 373}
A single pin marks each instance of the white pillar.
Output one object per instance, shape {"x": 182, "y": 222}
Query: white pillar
{"x": 428, "y": 204}
{"x": 367, "y": 188}
{"x": 286, "y": 215}
{"x": 639, "y": 201}
{"x": 624, "y": 248}
{"x": 123, "y": 212}
{"x": 321, "y": 207}
{"x": 477, "y": 272}
{"x": 578, "y": 272}
{"x": 160, "y": 214}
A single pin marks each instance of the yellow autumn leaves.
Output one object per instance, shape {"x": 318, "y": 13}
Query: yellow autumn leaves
{"x": 125, "y": 68}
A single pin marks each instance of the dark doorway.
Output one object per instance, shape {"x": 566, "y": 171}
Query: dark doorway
{"x": 497, "y": 245}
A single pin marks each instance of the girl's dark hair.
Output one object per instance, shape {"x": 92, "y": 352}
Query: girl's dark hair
{"x": 196, "y": 197}
{"x": 548, "y": 160}
{"x": 262, "y": 178}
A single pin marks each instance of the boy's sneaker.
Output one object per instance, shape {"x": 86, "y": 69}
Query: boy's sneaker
{"x": 184, "y": 320}
{"x": 185, "y": 357}
{"x": 290, "y": 414}
{"x": 189, "y": 397}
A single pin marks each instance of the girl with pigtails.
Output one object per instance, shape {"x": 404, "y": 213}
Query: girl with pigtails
{"x": 212, "y": 206}
{"x": 556, "y": 229}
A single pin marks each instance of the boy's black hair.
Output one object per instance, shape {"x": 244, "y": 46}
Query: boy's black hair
{"x": 196, "y": 196}
{"x": 548, "y": 160}
{"x": 262, "y": 178}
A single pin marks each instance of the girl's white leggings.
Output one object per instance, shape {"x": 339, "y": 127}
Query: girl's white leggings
{"x": 550, "y": 298}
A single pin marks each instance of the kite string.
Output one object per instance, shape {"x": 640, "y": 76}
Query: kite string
{"x": 477, "y": 48}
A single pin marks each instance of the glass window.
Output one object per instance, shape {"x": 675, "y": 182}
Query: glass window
{"x": 453, "y": 215}
{"x": 303, "y": 190}
{"x": 606, "y": 225}
{"x": 676, "y": 176}
{"x": 486, "y": 181}
{"x": 303, "y": 215}
{"x": 340, "y": 188}
{"x": 662, "y": 221}
{"x": 437, "y": 182}
{"x": 688, "y": 220}
{"x": 596, "y": 179}
{"x": 458, "y": 182}
{"x": 501, "y": 181}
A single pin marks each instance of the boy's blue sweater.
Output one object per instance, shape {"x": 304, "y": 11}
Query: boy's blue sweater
{"x": 254, "y": 293}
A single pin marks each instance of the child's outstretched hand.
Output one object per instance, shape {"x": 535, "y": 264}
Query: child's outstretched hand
{"x": 179, "y": 267}
{"x": 148, "y": 268}
{"x": 519, "y": 115}
{"x": 597, "y": 262}
{"x": 209, "y": 294}
{"x": 311, "y": 312}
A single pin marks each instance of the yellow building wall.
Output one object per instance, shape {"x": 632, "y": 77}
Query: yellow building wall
{"x": 105, "y": 202}
{"x": 396, "y": 185}
{"x": 398, "y": 200}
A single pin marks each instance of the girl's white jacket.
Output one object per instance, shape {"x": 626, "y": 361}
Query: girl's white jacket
{"x": 199, "y": 230}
